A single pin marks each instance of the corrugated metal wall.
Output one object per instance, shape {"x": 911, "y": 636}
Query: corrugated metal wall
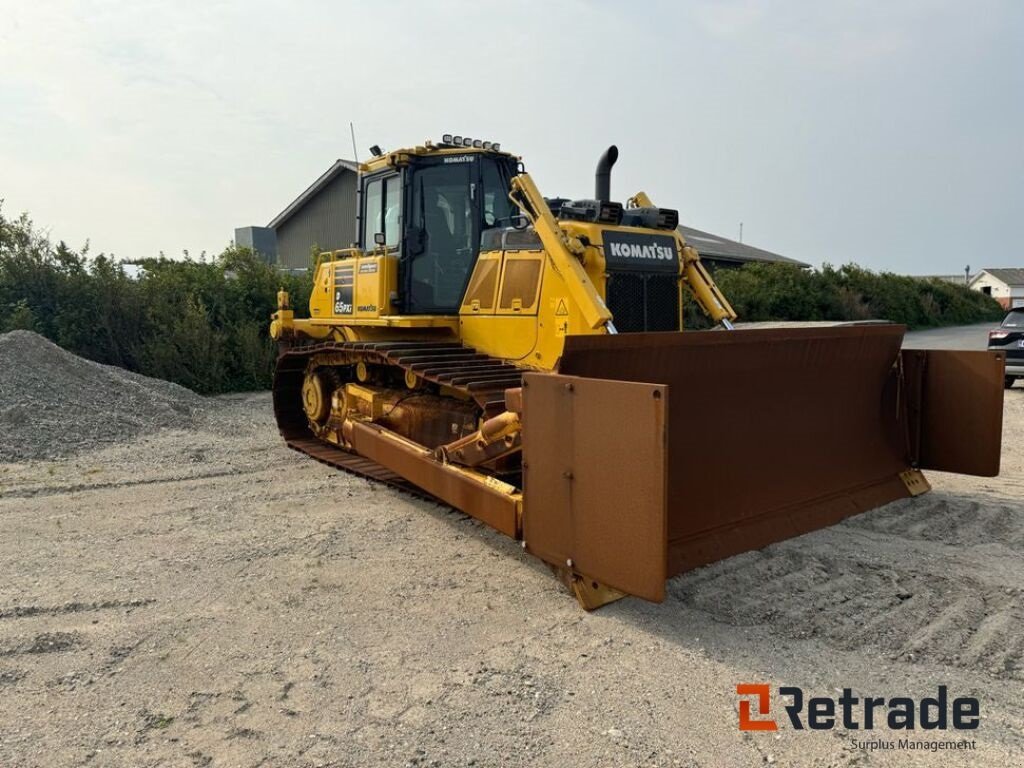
{"x": 327, "y": 220}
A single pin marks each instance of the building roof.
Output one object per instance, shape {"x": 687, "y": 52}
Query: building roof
{"x": 958, "y": 279}
{"x": 724, "y": 249}
{"x": 1010, "y": 275}
{"x": 339, "y": 166}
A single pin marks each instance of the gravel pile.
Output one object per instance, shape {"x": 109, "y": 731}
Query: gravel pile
{"x": 54, "y": 403}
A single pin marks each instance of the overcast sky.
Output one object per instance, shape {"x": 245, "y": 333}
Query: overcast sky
{"x": 888, "y": 133}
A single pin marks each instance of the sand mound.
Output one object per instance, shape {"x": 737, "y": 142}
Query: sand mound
{"x": 54, "y": 403}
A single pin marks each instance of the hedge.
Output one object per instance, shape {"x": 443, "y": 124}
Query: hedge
{"x": 199, "y": 322}
{"x": 766, "y": 292}
{"x": 203, "y": 322}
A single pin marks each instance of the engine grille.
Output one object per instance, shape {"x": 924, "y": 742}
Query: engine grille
{"x": 642, "y": 302}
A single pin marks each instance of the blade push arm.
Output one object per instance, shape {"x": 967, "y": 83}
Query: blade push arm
{"x": 695, "y": 275}
{"x": 564, "y": 251}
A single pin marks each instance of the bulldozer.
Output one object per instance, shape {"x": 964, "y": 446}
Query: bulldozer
{"x": 523, "y": 359}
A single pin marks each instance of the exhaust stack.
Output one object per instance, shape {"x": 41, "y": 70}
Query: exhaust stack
{"x": 603, "y": 175}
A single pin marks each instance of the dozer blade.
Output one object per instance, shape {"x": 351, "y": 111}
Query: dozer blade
{"x": 768, "y": 434}
{"x": 595, "y": 480}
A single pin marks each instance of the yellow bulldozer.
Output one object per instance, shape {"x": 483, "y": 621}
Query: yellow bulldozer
{"x": 523, "y": 360}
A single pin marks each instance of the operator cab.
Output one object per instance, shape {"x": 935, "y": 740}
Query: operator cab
{"x": 432, "y": 213}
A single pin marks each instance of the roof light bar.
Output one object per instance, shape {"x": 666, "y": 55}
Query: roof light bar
{"x": 465, "y": 141}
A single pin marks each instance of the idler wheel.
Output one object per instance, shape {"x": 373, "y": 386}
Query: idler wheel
{"x": 316, "y": 398}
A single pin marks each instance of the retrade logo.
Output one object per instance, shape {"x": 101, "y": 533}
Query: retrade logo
{"x": 763, "y": 698}
{"x": 823, "y": 713}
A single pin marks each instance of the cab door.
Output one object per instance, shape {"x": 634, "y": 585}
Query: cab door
{"x": 442, "y": 242}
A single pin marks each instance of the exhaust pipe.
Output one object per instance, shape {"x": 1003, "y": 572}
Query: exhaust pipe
{"x": 603, "y": 175}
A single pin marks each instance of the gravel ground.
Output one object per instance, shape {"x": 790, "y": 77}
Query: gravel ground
{"x": 53, "y": 403}
{"x": 206, "y": 597}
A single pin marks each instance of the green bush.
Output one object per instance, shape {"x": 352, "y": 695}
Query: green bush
{"x": 763, "y": 292}
{"x": 199, "y": 322}
{"x": 203, "y": 322}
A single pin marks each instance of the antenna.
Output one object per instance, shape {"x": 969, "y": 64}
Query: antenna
{"x": 355, "y": 152}
{"x": 741, "y": 231}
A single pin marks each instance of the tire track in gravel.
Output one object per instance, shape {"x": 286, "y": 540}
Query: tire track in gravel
{"x": 26, "y": 611}
{"x": 949, "y": 520}
{"x": 861, "y": 585}
{"x": 64, "y": 490}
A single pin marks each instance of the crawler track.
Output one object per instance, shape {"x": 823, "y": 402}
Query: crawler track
{"x": 481, "y": 378}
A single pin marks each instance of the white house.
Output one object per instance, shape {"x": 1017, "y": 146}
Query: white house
{"x": 1004, "y": 285}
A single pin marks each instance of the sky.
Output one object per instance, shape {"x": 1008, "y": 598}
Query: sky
{"x": 888, "y": 133}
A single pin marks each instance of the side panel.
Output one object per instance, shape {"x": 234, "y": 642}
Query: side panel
{"x": 483, "y": 285}
{"x": 354, "y": 286}
{"x": 955, "y": 403}
{"x": 321, "y": 297}
{"x": 504, "y": 336}
{"x": 488, "y": 322}
{"x": 373, "y": 284}
{"x": 520, "y": 284}
{"x": 532, "y": 336}
{"x": 595, "y": 481}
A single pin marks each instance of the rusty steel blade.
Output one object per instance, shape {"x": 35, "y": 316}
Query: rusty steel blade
{"x": 772, "y": 433}
{"x": 585, "y": 506}
{"x": 955, "y": 409}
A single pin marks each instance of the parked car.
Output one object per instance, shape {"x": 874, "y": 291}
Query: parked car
{"x": 1009, "y": 337}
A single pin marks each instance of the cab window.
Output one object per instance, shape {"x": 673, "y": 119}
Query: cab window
{"x": 497, "y": 207}
{"x": 382, "y": 211}
{"x": 392, "y": 208}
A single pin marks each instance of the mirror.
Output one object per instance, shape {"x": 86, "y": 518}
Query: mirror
{"x": 520, "y": 222}
{"x": 416, "y": 240}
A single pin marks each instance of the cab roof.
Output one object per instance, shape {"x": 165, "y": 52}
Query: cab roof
{"x": 427, "y": 149}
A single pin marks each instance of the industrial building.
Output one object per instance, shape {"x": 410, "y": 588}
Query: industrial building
{"x": 1004, "y": 285}
{"x": 323, "y": 217}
